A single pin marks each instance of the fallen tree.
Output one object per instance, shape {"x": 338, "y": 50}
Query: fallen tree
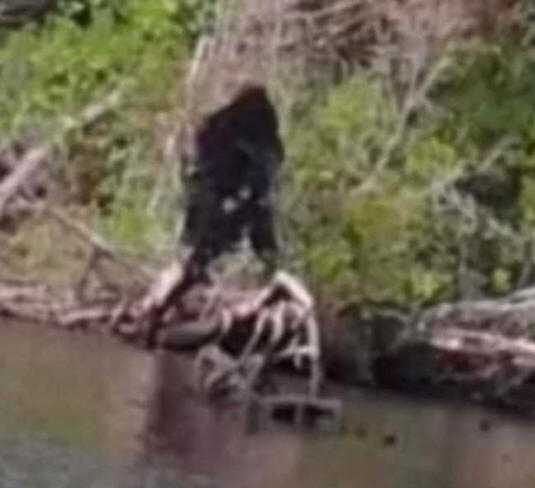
{"x": 481, "y": 349}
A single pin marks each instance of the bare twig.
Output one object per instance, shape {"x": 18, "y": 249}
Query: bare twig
{"x": 412, "y": 101}
{"x": 24, "y": 172}
{"x": 32, "y": 162}
{"x": 92, "y": 113}
{"x": 96, "y": 242}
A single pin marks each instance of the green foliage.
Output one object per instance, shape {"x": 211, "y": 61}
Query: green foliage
{"x": 200, "y": 14}
{"x": 450, "y": 215}
{"x": 444, "y": 211}
{"x": 352, "y": 244}
{"x": 53, "y": 72}
{"x": 501, "y": 76}
{"x": 60, "y": 68}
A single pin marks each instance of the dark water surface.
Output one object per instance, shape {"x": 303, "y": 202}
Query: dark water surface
{"x": 84, "y": 412}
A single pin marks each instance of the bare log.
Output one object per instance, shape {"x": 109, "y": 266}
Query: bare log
{"x": 162, "y": 288}
{"x": 26, "y": 169}
{"x": 85, "y": 317}
{"x": 520, "y": 352}
{"x": 282, "y": 309}
{"x": 483, "y": 349}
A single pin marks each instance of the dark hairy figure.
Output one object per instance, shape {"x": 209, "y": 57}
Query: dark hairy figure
{"x": 229, "y": 175}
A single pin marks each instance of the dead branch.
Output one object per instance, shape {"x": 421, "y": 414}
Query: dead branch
{"x": 521, "y": 351}
{"x": 284, "y": 308}
{"x": 24, "y": 172}
{"x": 512, "y": 314}
{"x": 26, "y": 169}
{"x": 97, "y": 242}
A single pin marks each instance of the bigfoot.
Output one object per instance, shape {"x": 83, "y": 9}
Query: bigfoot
{"x": 229, "y": 177}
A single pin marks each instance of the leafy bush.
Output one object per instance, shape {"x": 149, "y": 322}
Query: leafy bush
{"x": 358, "y": 244}
{"x": 378, "y": 205}
{"x": 450, "y": 215}
{"x": 51, "y": 73}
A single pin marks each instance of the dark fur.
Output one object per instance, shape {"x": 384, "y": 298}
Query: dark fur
{"x": 236, "y": 149}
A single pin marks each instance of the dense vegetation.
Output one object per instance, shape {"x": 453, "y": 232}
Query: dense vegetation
{"x": 411, "y": 198}
{"x": 53, "y": 71}
{"x": 441, "y": 211}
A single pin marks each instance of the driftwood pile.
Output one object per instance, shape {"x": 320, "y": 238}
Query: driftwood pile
{"x": 70, "y": 305}
{"x": 27, "y": 184}
{"x": 496, "y": 336}
{"x": 481, "y": 349}
{"x": 240, "y": 337}
{"x": 275, "y": 324}
{"x": 485, "y": 348}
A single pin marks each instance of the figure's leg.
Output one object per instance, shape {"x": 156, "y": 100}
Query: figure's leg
{"x": 200, "y": 241}
{"x": 262, "y": 234}
{"x": 194, "y": 216}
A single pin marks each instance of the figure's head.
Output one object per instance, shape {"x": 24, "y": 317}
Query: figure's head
{"x": 251, "y": 91}
{"x": 251, "y": 95}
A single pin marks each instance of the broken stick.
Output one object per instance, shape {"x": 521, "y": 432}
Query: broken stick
{"x": 25, "y": 171}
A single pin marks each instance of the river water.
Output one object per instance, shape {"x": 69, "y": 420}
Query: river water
{"x": 83, "y": 411}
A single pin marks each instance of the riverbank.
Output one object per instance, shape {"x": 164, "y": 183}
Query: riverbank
{"x": 438, "y": 356}
{"x": 438, "y": 353}
{"x": 408, "y": 176}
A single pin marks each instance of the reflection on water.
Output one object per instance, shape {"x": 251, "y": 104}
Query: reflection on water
{"x": 66, "y": 397}
{"x": 73, "y": 388}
